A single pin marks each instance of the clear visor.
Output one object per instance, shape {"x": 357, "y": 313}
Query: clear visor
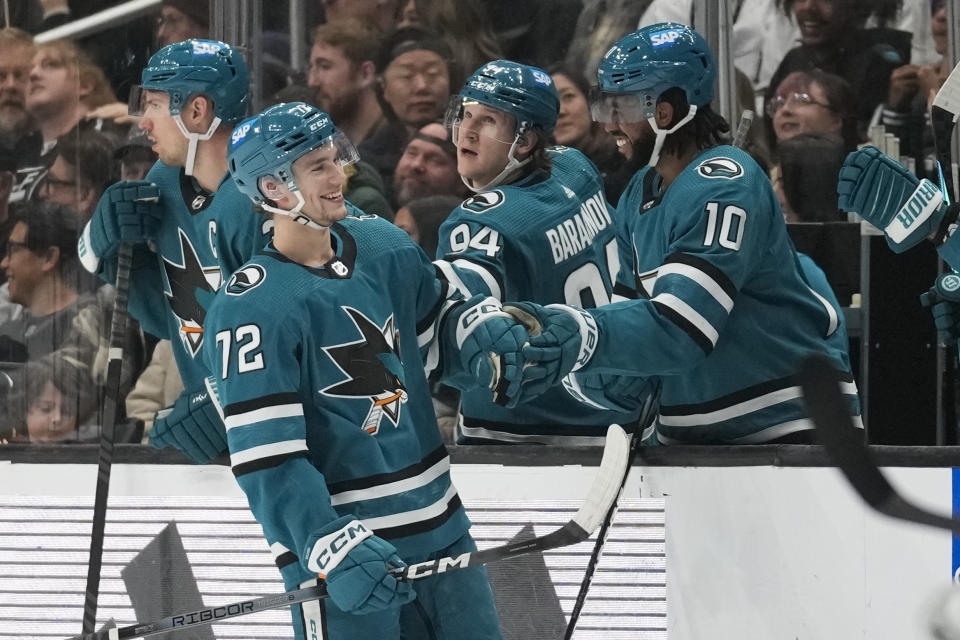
{"x": 137, "y": 102}
{"x": 346, "y": 154}
{"x": 468, "y": 118}
{"x": 617, "y": 107}
{"x": 334, "y": 154}
{"x": 147, "y": 102}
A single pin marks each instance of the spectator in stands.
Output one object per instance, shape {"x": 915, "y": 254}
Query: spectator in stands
{"x": 812, "y": 102}
{"x": 81, "y": 171}
{"x": 343, "y": 75}
{"x": 56, "y": 401}
{"x": 380, "y": 14}
{"x": 157, "y": 387}
{"x": 16, "y": 56}
{"x": 536, "y": 32}
{"x": 415, "y": 80}
{"x": 809, "y": 166}
{"x": 407, "y": 14}
{"x": 135, "y": 155}
{"x": 832, "y": 38}
{"x": 600, "y": 23}
{"x": 64, "y": 85}
{"x": 181, "y": 20}
{"x": 576, "y": 129}
{"x": 421, "y": 219}
{"x": 905, "y": 113}
{"x": 365, "y": 189}
{"x": 427, "y": 167}
{"x": 466, "y": 26}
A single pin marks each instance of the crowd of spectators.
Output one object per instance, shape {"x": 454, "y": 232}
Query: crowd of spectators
{"x": 819, "y": 71}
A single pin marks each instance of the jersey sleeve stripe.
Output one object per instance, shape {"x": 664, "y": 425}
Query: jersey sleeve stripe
{"x": 290, "y": 397}
{"x": 701, "y": 278}
{"x": 428, "y": 334}
{"x": 833, "y": 319}
{"x": 261, "y": 415}
{"x": 397, "y": 524}
{"x": 393, "y": 488}
{"x": 414, "y": 469}
{"x": 448, "y": 273}
{"x": 492, "y": 280}
{"x": 733, "y": 411}
{"x": 687, "y": 318}
{"x": 267, "y": 450}
{"x": 429, "y": 320}
{"x": 267, "y": 462}
{"x": 707, "y": 267}
{"x": 282, "y": 556}
{"x": 622, "y": 292}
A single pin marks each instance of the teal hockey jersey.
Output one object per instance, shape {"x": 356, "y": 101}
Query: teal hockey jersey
{"x": 320, "y": 374}
{"x": 545, "y": 238}
{"x": 722, "y": 309}
{"x": 202, "y": 239}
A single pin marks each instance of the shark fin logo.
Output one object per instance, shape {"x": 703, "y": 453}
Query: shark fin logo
{"x": 373, "y": 368}
{"x": 245, "y": 279}
{"x": 720, "y": 168}
{"x": 191, "y": 287}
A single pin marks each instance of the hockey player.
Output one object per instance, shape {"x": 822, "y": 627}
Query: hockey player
{"x": 722, "y": 310}
{"x": 200, "y": 231}
{"x": 539, "y": 228}
{"x": 316, "y": 347}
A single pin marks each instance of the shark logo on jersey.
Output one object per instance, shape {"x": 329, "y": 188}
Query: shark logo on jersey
{"x": 190, "y": 287}
{"x": 484, "y": 201}
{"x": 720, "y": 168}
{"x": 245, "y": 279}
{"x": 373, "y": 368}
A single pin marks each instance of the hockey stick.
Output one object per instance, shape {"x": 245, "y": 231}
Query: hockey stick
{"x": 636, "y": 437}
{"x": 603, "y": 493}
{"x": 118, "y": 331}
{"x": 845, "y": 444}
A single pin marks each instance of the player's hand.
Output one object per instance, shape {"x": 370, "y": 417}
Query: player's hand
{"x": 562, "y": 339}
{"x": 491, "y": 348}
{"x": 128, "y": 213}
{"x": 943, "y": 298}
{"x": 191, "y": 425}
{"x": 890, "y": 198}
{"x": 356, "y": 566}
{"x": 904, "y": 84}
{"x": 611, "y": 391}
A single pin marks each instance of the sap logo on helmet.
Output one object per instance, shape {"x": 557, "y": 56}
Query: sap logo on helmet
{"x": 246, "y": 279}
{"x": 664, "y": 38}
{"x": 205, "y": 47}
{"x": 240, "y": 133}
{"x": 720, "y": 168}
{"x": 541, "y": 78}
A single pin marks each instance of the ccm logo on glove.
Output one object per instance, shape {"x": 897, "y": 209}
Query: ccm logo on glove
{"x": 332, "y": 548}
{"x": 921, "y": 205}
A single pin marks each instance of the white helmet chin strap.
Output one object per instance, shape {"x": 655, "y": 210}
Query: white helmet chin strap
{"x": 663, "y": 133}
{"x": 193, "y": 139}
{"x": 294, "y": 213}
{"x": 512, "y": 165}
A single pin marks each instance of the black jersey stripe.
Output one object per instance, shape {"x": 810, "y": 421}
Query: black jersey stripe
{"x": 421, "y": 526}
{"x": 427, "y": 321}
{"x": 707, "y": 268}
{"x": 267, "y": 462}
{"x": 688, "y": 327}
{"x": 624, "y": 291}
{"x": 583, "y": 430}
{"x": 737, "y": 397}
{"x": 285, "y": 559}
{"x": 271, "y": 400}
{"x": 378, "y": 479}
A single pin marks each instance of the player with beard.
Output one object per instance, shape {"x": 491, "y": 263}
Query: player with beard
{"x": 717, "y": 303}
{"x": 190, "y": 226}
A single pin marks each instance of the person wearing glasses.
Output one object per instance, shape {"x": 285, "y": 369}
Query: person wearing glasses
{"x": 80, "y": 173}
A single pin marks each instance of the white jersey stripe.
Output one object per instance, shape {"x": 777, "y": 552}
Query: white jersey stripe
{"x": 266, "y": 450}
{"x": 278, "y": 550}
{"x": 831, "y": 313}
{"x": 688, "y": 312}
{"x": 393, "y": 488}
{"x": 485, "y": 275}
{"x": 262, "y": 414}
{"x": 451, "y": 275}
{"x": 743, "y": 408}
{"x": 411, "y": 517}
{"x": 701, "y": 278}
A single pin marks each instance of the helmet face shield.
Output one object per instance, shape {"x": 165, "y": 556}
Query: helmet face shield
{"x": 467, "y": 117}
{"x": 620, "y": 107}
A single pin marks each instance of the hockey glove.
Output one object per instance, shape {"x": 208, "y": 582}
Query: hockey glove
{"x": 355, "y": 564}
{"x": 562, "y": 339}
{"x": 128, "y": 213}
{"x": 891, "y": 198}
{"x": 491, "y": 344}
{"x": 191, "y": 425}
{"x": 943, "y": 298}
{"x": 610, "y": 391}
